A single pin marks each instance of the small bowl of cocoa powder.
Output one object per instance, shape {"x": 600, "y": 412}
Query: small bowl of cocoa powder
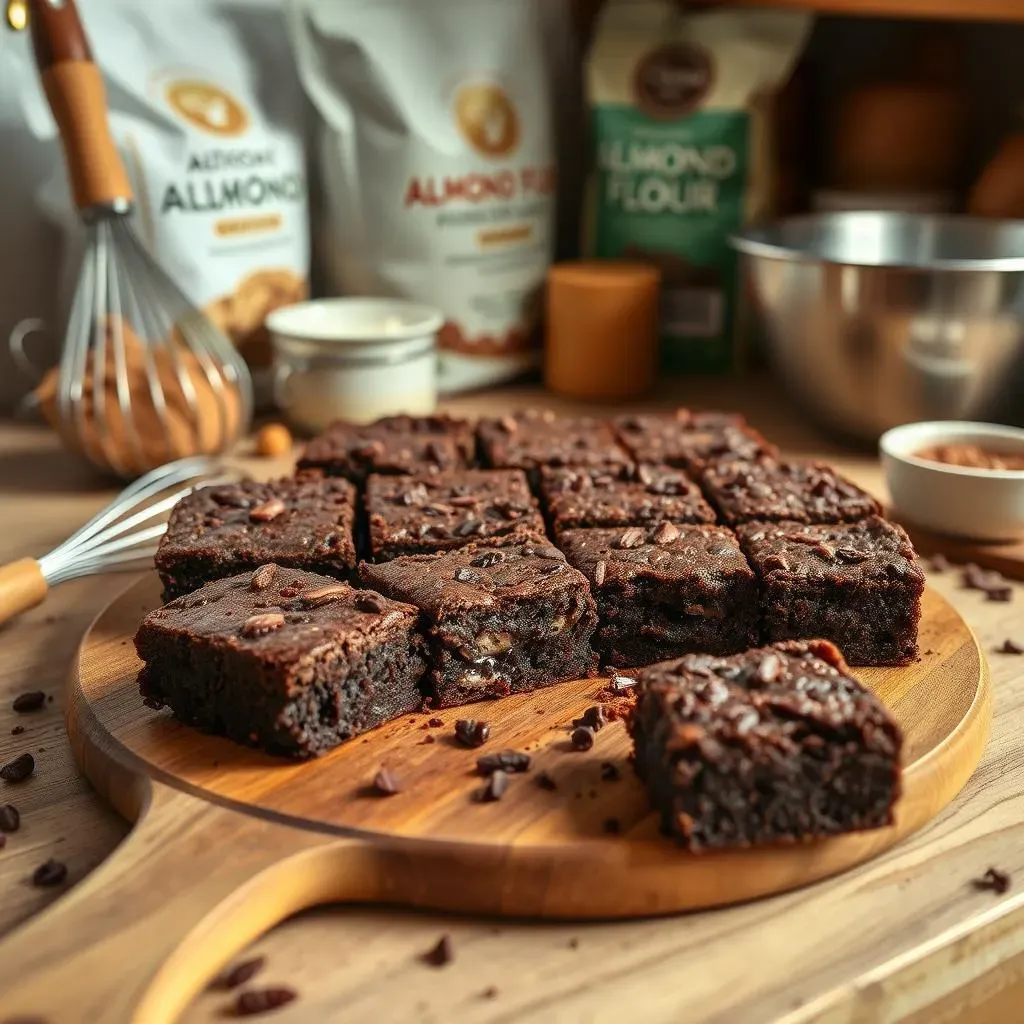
{"x": 958, "y": 478}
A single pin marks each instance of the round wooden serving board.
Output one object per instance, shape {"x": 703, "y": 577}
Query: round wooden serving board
{"x": 229, "y": 841}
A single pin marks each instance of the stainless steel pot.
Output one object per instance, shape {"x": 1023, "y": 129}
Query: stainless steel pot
{"x": 878, "y": 319}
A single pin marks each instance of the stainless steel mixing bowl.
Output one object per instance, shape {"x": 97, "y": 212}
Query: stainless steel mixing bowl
{"x": 879, "y": 319}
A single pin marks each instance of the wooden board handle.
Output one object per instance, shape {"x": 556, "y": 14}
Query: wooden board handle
{"x": 22, "y": 586}
{"x": 191, "y": 886}
{"x": 78, "y": 99}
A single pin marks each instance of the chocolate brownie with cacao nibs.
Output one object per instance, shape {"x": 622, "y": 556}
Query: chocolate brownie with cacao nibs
{"x": 691, "y": 440}
{"x": 306, "y": 522}
{"x": 294, "y": 668}
{"x": 410, "y": 515}
{"x": 663, "y": 591}
{"x": 578, "y": 498}
{"x": 777, "y": 744}
{"x": 531, "y": 439}
{"x": 855, "y": 584}
{"x": 394, "y": 444}
{"x": 771, "y": 491}
{"x": 502, "y": 616}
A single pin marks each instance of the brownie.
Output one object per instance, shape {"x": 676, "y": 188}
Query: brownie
{"x": 691, "y": 440}
{"x": 775, "y": 745}
{"x": 502, "y": 616}
{"x": 666, "y": 590}
{"x": 394, "y": 444}
{"x": 580, "y": 497}
{"x": 531, "y": 439}
{"x": 768, "y": 490}
{"x": 411, "y": 515}
{"x": 287, "y": 661}
{"x": 305, "y": 522}
{"x": 856, "y": 584}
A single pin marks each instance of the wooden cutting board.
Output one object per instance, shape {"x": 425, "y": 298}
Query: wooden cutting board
{"x": 228, "y": 842}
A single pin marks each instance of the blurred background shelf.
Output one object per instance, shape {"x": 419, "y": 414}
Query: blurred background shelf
{"x": 964, "y": 10}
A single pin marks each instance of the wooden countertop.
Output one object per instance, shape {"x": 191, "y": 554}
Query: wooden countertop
{"x": 905, "y": 937}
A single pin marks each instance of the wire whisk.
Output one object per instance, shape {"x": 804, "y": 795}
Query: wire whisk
{"x": 122, "y": 537}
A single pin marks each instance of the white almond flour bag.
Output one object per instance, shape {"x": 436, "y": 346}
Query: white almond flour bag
{"x": 207, "y": 112}
{"x": 437, "y": 164}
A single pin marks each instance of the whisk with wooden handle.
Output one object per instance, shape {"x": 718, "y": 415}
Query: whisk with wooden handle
{"x": 144, "y": 377}
{"x": 123, "y": 537}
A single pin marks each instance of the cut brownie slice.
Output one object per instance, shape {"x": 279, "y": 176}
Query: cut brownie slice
{"x": 531, "y": 439}
{"x": 502, "y": 616}
{"x": 691, "y": 440}
{"x": 857, "y": 585}
{"x": 771, "y": 491}
{"x": 305, "y": 522}
{"x": 395, "y": 444}
{"x": 411, "y": 515}
{"x": 665, "y": 590}
{"x": 284, "y": 660}
{"x": 577, "y": 498}
{"x": 774, "y": 745}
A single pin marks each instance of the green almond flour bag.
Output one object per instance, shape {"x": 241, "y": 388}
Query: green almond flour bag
{"x": 680, "y": 114}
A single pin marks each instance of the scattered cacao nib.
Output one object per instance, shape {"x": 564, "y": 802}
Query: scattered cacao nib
{"x": 546, "y": 782}
{"x": 31, "y": 701}
{"x": 582, "y": 738}
{"x": 263, "y": 577}
{"x": 666, "y": 533}
{"x": 239, "y": 974}
{"x": 19, "y": 769}
{"x": 260, "y": 625}
{"x": 612, "y": 826}
{"x": 471, "y": 733}
{"x": 1010, "y": 647}
{"x": 10, "y": 819}
{"x": 503, "y": 760}
{"x": 610, "y": 772}
{"x": 322, "y": 595}
{"x": 440, "y": 954}
{"x": 593, "y": 718}
{"x": 436, "y": 723}
{"x": 386, "y": 783}
{"x": 17, "y": 730}
{"x": 999, "y": 593}
{"x": 631, "y": 538}
{"x": 497, "y": 784}
{"x": 428, "y": 739}
{"x": 995, "y": 880}
{"x": 486, "y": 560}
{"x": 938, "y": 562}
{"x": 52, "y": 872}
{"x": 261, "y": 1000}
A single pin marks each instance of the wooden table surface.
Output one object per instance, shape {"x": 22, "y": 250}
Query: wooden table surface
{"x": 906, "y": 937}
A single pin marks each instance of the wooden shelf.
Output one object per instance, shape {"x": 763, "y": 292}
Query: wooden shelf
{"x": 965, "y": 10}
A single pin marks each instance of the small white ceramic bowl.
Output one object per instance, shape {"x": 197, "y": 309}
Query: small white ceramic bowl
{"x": 981, "y": 504}
{"x": 354, "y": 359}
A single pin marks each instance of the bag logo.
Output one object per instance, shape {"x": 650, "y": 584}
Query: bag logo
{"x": 207, "y": 107}
{"x": 672, "y": 80}
{"x": 487, "y": 119}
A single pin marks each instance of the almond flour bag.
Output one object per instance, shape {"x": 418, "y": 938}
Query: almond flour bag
{"x": 437, "y": 164}
{"x": 680, "y": 104}
{"x": 207, "y": 112}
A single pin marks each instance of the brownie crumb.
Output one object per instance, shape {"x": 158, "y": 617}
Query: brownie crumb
{"x": 471, "y": 733}
{"x": 239, "y": 974}
{"x": 938, "y": 562}
{"x": 504, "y": 760}
{"x": 440, "y": 954}
{"x": 612, "y": 826}
{"x": 386, "y": 783}
{"x": 992, "y": 584}
{"x": 999, "y": 593}
{"x": 582, "y": 738}
{"x": 497, "y": 784}
{"x": 261, "y": 1000}
{"x": 33, "y": 700}
{"x": 491, "y": 992}
{"x": 427, "y": 739}
{"x": 610, "y": 772}
{"x": 19, "y": 769}
{"x": 10, "y": 819}
{"x": 593, "y": 718}
{"x": 993, "y": 880}
{"x": 17, "y": 730}
{"x": 53, "y": 872}
{"x": 435, "y": 723}
{"x": 1010, "y": 647}
{"x": 546, "y": 782}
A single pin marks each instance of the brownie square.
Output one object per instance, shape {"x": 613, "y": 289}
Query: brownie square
{"x": 394, "y": 444}
{"x": 691, "y": 440}
{"x": 771, "y": 491}
{"x": 580, "y": 497}
{"x": 855, "y": 584}
{"x": 663, "y": 591}
{"x": 775, "y": 745}
{"x": 305, "y": 522}
{"x": 531, "y": 439}
{"x": 411, "y": 515}
{"x": 502, "y": 616}
{"x": 284, "y": 660}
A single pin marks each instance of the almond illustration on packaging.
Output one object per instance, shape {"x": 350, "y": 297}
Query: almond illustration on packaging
{"x": 208, "y": 107}
{"x": 487, "y": 119}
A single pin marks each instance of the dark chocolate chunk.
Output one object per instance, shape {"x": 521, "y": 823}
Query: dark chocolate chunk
{"x": 594, "y": 718}
{"x": 995, "y": 880}
{"x": 31, "y": 701}
{"x": 440, "y": 954}
{"x": 1011, "y": 647}
{"x": 435, "y": 723}
{"x": 10, "y": 819}
{"x": 582, "y": 738}
{"x": 471, "y": 733}
{"x": 503, "y": 760}
{"x": 52, "y": 872}
{"x": 19, "y": 769}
